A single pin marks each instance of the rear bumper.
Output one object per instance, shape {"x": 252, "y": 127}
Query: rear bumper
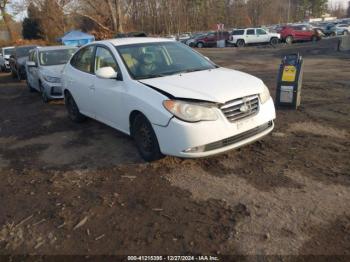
{"x": 206, "y": 138}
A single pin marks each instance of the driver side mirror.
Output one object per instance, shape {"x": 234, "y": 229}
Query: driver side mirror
{"x": 106, "y": 73}
{"x": 31, "y": 64}
{"x": 207, "y": 58}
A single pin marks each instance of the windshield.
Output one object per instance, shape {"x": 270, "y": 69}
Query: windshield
{"x": 149, "y": 60}
{"x": 23, "y": 51}
{"x": 55, "y": 57}
{"x": 8, "y": 51}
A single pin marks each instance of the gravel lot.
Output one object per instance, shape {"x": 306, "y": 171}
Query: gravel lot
{"x": 69, "y": 188}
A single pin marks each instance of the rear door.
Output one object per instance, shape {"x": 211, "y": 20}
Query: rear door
{"x": 210, "y": 39}
{"x": 250, "y": 36}
{"x": 80, "y": 79}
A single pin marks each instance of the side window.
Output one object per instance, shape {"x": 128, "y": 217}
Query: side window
{"x": 104, "y": 58}
{"x": 261, "y": 32}
{"x": 83, "y": 59}
{"x": 238, "y": 32}
{"x": 250, "y": 32}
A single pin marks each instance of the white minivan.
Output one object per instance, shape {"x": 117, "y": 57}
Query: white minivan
{"x": 44, "y": 68}
{"x": 168, "y": 97}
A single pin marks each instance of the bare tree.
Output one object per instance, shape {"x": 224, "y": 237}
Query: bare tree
{"x": 6, "y": 17}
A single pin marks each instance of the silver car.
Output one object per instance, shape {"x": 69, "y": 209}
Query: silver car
{"x": 44, "y": 68}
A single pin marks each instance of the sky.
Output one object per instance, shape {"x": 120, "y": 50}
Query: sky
{"x": 343, "y": 2}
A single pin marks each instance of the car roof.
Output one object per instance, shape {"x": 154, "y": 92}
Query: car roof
{"x": 135, "y": 40}
{"x": 25, "y": 46}
{"x": 8, "y": 47}
{"x": 56, "y": 47}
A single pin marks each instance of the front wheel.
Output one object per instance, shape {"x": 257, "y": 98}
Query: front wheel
{"x": 200, "y": 45}
{"x": 240, "y": 43}
{"x": 145, "y": 139}
{"x": 31, "y": 89}
{"x": 289, "y": 40}
{"x": 44, "y": 96}
{"x": 72, "y": 109}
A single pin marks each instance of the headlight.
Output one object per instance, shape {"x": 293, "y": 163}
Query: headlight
{"x": 190, "y": 112}
{"x": 52, "y": 79}
{"x": 265, "y": 95}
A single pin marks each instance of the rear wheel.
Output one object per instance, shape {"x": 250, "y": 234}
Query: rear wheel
{"x": 200, "y": 45}
{"x": 289, "y": 40}
{"x": 274, "y": 41}
{"x": 72, "y": 109}
{"x": 240, "y": 43}
{"x": 145, "y": 139}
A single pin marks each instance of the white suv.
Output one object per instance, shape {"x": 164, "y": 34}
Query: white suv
{"x": 169, "y": 98}
{"x": 242, "y": 37}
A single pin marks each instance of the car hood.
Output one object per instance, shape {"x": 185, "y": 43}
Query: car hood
{"x": 54, "y": 70}
{"x": 217, "y": 85}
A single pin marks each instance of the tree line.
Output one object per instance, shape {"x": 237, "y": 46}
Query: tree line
{"x": 49, "y": 19}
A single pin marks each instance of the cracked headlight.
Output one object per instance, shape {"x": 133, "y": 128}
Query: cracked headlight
{"x": 190, "y": 112}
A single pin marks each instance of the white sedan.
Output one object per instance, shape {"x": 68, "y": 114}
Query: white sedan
{"x": 44, "y": 68}
{"x": 169, "y": 98}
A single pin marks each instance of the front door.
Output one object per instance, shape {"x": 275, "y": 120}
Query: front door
{"x": 108, "y": 93}
{"x": 262, "y": 36}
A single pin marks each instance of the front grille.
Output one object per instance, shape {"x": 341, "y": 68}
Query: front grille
{"x": 237, "y": 138}
{"x": 241, "y": 108}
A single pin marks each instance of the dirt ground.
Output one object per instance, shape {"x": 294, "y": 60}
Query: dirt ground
{"x": 70, "y": 188}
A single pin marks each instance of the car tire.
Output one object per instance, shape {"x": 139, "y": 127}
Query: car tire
{"x": 240, "y": 43}
{"x": 289, "y": 40}
{"x": 31, "y": 89}
{"x": 200, "y": 45}
{"x": 19, "y": 75}
{"x": 43, "y": 94}
{"x": 72, "y": 109}
{"x": 314, "y": 38}
{"x": 274, "y": 41}
{"x": 145, "y": 139}
{"x": 333, "y": 34}
{"x": 13, "y": 74}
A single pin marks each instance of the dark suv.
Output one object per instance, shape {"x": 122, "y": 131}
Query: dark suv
{"x": 18, "y": 61}
{"x": 210, "y": 39}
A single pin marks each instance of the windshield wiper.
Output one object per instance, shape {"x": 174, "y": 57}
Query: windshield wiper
{"x": 151, "y": 76}
{"x": 192, "y": 70}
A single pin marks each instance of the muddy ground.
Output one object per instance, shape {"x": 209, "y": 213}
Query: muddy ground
{"x": 69, "y": 188}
